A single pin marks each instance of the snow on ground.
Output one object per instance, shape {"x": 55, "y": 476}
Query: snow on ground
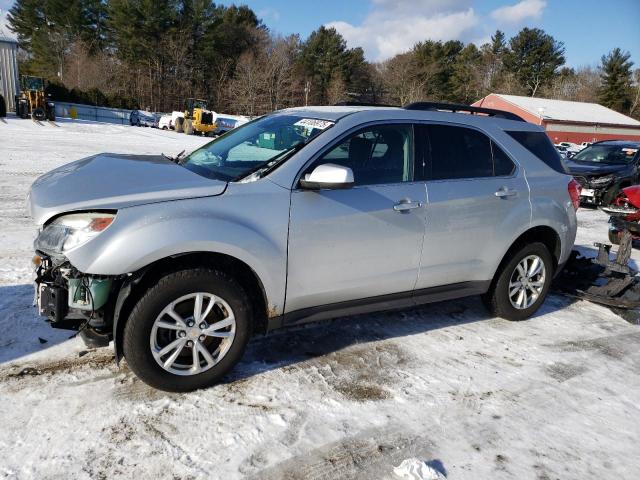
{"x": 473, "y": 396}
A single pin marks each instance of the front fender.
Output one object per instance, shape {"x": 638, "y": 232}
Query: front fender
{"x": 251, "y": 229}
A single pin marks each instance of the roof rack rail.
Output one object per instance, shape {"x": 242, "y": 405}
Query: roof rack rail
{"x": 454, "y": 108}
{"x": 363, "y": 104}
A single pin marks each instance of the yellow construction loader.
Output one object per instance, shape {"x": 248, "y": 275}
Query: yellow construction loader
{"x": 32, "y": 101}
{"x": 197, "y": 118}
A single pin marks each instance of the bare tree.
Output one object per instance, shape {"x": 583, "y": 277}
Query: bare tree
{"x": 404, "y": 82}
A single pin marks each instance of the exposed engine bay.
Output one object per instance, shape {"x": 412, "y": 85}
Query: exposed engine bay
{"x": 75, "y": 301}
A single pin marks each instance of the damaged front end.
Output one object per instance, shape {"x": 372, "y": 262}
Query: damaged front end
{"x": 67, "y": 297}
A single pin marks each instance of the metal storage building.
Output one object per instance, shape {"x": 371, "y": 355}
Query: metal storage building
{"x": 9, "y": 84}
{"x": 567, "y": 121}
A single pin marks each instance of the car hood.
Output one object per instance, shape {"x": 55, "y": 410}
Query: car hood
{"x": 112, "y": 181}
{"x": 576, "y": 168}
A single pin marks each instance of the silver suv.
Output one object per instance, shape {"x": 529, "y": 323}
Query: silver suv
{"x": 300, "y": 215}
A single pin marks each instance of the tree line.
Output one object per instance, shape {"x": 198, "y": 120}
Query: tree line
{"x": 156, "y": 53}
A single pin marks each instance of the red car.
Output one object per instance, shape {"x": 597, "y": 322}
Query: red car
{"x": 625, "y": 214}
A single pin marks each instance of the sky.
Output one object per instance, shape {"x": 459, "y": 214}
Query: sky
{"x": 383, "y": 28}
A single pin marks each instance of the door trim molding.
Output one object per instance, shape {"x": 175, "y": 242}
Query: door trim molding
{"x": 380, "y": 303}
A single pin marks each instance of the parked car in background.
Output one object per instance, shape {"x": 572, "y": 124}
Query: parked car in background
{"x": 301, "y": 215}
{"x": 604, "y": 168}
{"x": 165, "y": 122}
{"x": 229, "y": 122}
{"x": 572, "y": 148}
{"x": 562, "y": 151}
{"x": 142, "y": 118}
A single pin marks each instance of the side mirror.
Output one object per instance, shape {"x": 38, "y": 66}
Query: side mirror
{"x": 328, "y": 175}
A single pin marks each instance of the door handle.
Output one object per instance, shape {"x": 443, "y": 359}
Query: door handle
{"x": 505, "y": 192}
{"x": 405, "y": 205}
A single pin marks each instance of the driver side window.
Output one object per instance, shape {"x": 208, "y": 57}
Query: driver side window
{"x": 377, "y": 155}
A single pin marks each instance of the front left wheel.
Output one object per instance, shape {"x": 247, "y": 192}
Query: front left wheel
{"x": 188, "y": 331}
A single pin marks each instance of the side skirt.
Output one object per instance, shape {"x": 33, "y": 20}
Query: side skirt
{"x": 380, "y": 303}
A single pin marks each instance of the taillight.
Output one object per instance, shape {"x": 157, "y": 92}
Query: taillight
{"x": 574, "y": 192}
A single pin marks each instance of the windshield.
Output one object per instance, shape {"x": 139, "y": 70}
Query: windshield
{"x": 254, "y": 146}
{"x": 606, "y": 154}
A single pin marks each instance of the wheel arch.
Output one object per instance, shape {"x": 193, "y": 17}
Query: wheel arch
{"x": 134, "y": 287}
{"x": 541, "y": 233}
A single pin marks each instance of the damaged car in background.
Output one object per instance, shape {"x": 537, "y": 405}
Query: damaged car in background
{"x": 301, "y": 215}
{"x": 604, "y": 168}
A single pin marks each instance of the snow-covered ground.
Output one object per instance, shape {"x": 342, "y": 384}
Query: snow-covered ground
{"x": 476, "y": 397}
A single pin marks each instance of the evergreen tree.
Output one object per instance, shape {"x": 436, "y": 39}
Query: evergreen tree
{"x": 325, "y": 57}
{"x": 466, "y": 76}
{"x": 48, "y": 28}
{"x": 533, "y": 58}
{"x": 616, "y": 76}
{"x": 436, "y": 63}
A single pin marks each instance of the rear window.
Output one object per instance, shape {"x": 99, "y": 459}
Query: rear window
{"x": 539, "y": 144}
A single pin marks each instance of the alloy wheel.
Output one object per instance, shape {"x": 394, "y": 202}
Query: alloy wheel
{"x": 193, "y": 333}
{"x": 527, "y": 282}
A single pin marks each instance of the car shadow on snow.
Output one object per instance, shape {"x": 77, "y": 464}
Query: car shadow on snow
{"x": 297, "y": 345}
{"x": 23, "y": 330}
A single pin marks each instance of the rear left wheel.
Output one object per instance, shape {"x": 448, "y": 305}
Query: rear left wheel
{"x": 521, "y": 285}
{"x": 188, "y": 331}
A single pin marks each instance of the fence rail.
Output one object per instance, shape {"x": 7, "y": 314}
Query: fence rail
{"x": 89, "y": 112}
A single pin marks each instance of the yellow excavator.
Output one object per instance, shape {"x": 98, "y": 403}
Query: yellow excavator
{"x": 197, "y": 118}
{"x": 32, "y": 101}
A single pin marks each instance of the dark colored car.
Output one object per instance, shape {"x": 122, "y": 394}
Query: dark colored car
{"x": 604, "y": 168}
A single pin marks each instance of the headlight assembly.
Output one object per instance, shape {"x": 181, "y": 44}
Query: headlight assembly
{"x": 602, "y": 180}
{"x": 70, "y": 231}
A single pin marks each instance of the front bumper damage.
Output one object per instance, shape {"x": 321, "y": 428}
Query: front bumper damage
{"x": 596, "y": 190}
{"x": 72, "y": 300}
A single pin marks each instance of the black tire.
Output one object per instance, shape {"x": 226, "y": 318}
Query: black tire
{"x": 22, "y": 110}
{"x": 188, "y": 126}
{"x": 137, "y": 331}
{"x": 497, "y": 298}
{"x": 614, "y": 237}
{"x": 51, "y": 114}
{"x": 179, "y": 124}
{"x": 39, "y": 114}
{"x": 3, "y": 107}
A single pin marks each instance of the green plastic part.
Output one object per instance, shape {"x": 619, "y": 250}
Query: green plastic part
{"x": 88, "y": 293}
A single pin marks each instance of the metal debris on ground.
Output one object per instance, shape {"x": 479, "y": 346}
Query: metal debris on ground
{"x": 602, "y": 280}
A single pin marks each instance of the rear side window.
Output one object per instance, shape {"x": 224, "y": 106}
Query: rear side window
{"x": 458, "y": 152}
{"x": 539, "y": 144}
{"x": 451, "y": 152}
{"x": 501, "y": 163}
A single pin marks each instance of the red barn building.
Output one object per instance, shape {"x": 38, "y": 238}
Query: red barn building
{"x": 565, "y": 121}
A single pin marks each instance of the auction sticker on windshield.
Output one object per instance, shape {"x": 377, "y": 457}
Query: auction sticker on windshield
{"x": 313, "y": 123}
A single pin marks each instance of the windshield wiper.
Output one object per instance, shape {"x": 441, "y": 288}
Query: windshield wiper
{"x": 273, "y": 162}
{"x": 177, "y": 159}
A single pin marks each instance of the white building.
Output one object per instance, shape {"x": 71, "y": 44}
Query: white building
{"x": 9, "y": 83}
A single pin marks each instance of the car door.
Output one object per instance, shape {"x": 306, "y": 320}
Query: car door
{"x": 478, "y": 200}
{"x": 364, "y": 241}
